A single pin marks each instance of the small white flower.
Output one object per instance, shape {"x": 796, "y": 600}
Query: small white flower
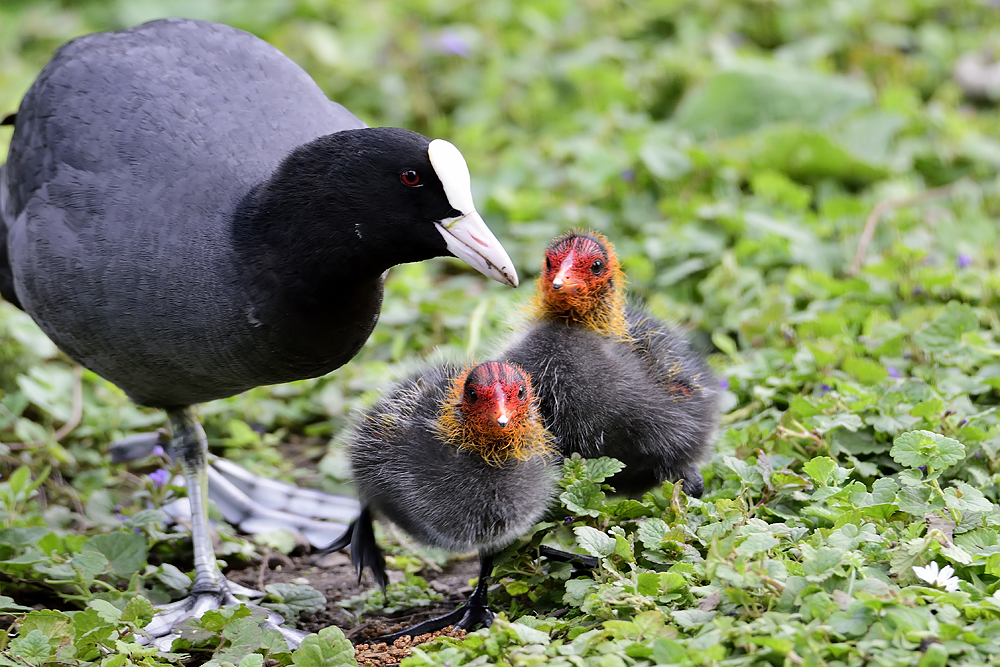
{"x": 928, "y": 573}
{"x": 940, "y": 577}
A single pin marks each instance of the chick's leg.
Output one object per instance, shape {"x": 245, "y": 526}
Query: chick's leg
{"x": 210, "y": 589}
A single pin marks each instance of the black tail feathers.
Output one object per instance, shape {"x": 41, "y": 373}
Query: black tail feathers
{"x": 360, "y": 536}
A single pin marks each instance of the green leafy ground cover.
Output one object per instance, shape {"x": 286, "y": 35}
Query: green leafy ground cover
{"x": 732, "y": 150}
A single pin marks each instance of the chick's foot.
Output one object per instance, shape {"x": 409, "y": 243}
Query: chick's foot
{"x": 467, "y": 617}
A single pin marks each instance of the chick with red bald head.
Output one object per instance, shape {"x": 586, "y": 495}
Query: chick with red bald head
{"x": 611, "y": 379}
{"x": 459, "y": 459}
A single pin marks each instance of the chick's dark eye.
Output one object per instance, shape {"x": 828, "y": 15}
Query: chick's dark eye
{"x": 520, "y": 393}
{"x": 410, "y": 178}
{"x": 548, "y": 264}
{"x": 472, "y": 395}
{"x": 597, "y": 266}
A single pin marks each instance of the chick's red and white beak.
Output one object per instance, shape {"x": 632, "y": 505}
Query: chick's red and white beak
{"x": 501, "y": 417}
{"x": 467, "y": 236}
{"x": 563, "y": 278}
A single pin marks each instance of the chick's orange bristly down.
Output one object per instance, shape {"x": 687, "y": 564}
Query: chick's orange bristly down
{"x": 611, "y": 379}
{"x": 459, "y": 459}
{"x": 491, "y": 410}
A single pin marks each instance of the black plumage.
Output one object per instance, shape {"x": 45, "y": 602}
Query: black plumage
{"x": 611, "y": 379}
{"x": 184, "y": 212}
{"x": 457, "y": 458}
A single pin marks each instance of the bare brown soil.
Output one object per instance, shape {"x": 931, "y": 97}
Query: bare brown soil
{"x": 335, "y": 578}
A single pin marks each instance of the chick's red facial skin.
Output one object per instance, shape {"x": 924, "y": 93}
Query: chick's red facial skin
{"x": 577, "y": 273}
{"x": 490, "y": 410}
{"x": 496, "y": 399}
{"x": 582, "y": 283}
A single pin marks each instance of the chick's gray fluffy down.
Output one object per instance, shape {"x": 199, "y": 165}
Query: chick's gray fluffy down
{"x": 440, "y": 494}
{"x": 650, "y": 402}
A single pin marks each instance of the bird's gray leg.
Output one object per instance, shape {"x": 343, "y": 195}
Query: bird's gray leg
{"x": 190, "y": 446}
{"x": 210, "y": 589}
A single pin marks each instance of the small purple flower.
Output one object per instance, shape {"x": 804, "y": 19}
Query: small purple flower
{"x": 137, "y": 531}
{"x": 118, "y": 513}
{"x": 923, "y": 468}
{"x": 963, "y": 261}
{"x": 917, "y": 291}
{"x": 963, "y": 422}
{"x": 825, "y": 387}
{"x": 894, "y": 372}
{"x": 451, "y": 42}
{"x": 723, "y": 383}
{"x": 158, "y": 450}
{"x": 628, "y": 175}
{"x": 977, "y": 455}
{"x": 160, "y": 477}
{"x": 568, "y": 520}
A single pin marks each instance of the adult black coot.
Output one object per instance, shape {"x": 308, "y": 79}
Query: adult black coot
{"x": 459, "y": 459}
{"x": 613, "y": 380}
{"x": 184, "y": 212}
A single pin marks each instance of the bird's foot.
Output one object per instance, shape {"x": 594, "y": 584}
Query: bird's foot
{"x": 694, "y": 483}
{"x": 258, "y": 505}
{"x": 251, "y": 503}
{"x": 166, "y": 624}
{"x": 466, "y": 617}
{"x": 579, "y": 561}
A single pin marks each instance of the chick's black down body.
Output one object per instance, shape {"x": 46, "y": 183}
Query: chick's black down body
{"x": 650, "y": 402}
{"x": 440, "y": 494}
{"x": 180, "y": 215}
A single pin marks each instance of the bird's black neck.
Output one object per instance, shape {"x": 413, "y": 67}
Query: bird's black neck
{"x": 311, "y": 230}
{"x": 306, "y": 232}
{"x": 314, "y": 287}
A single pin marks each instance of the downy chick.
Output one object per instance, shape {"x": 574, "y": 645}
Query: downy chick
{"x": 611, "y": 379}
{"x": 459, "y": 459}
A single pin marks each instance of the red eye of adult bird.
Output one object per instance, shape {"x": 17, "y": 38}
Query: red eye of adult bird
{"x": 410, "y": 178}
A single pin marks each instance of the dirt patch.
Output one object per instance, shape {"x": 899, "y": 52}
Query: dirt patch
{"x": 334, "y": 577}
{"x": 376, "y": 655}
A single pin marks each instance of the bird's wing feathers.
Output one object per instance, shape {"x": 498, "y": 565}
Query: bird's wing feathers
{"x": 6, "y": 275}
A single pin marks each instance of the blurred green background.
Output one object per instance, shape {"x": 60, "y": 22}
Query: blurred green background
{"x": 718, "y": 143}
{"x": 731, "y": 149}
